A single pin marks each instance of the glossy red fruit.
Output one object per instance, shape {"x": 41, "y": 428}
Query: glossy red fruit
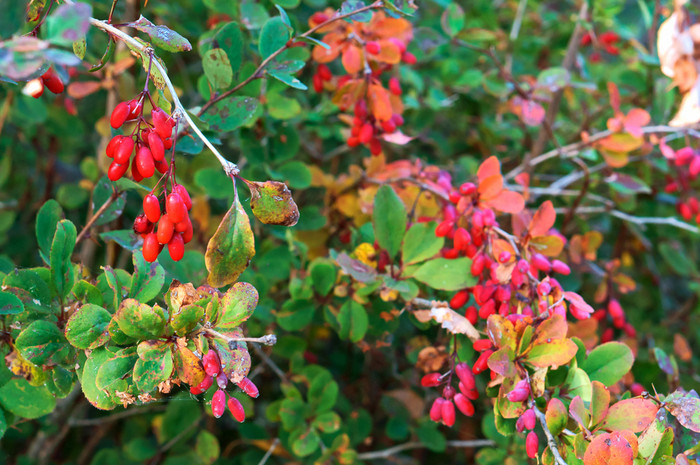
{"x": 35, "y": 88}
{"x": 221, "y": 380}
{"x": 188, "y": 233}
{"x": 518, "y": 395}
{"x": 135, "y": 107}
{"x": 175, "y": 206}
{"x": 119, "y": 115}
{"x": 155, "y": 143}
{"x": 464, "y": 405}
{"x": 366, "y": 133}
{"x": 615, "y": 310}
{"x": 375, "y": 146}
{"x": 431, "y": 380}
{"x": 448, "y": 413}
{"x": 203, "y": 386}
{"x": 183, "y": 225}
{"x": 318, "y": 18}
{"x": 112, "y": 146}
{"x": 122, "y": 152}
{"x": 436, "y": 409}
{"x": 317, "y": 81}
{"x": 408, "y": 58}
{"x": 116, "y": 171}
{"x": 236, "y": 409}
{"x": 353, "y": 142}
{"x": 637, "y": 389}
{"x": 142, "y": 225}
{"x": 151, "y": 247}
{"x": 532, "y": 444}
{"x": 249, "y": 387}
{"x": 162, "y": 166}
{"x": 462, "y": 239}
{"x": 529, "y": 419}
{"x": 176, "y": 247}
{"x": 488, "y": 309}
{"x": 444, "y": 228}
{"x": 182, "y": 192}
{"x": 211, "y": 362}
{"x": 459, "y": 299}
{"x": 389, "y": 127}
{"x": 151, "y": 208}
{"x": 144, "y": 162}
{"x": 52, "y": 81}
{"x": 168, "y": 143}
{"x": 218, "y": 403}
{"x": 161, "y": 122}
{"x": 325, "y": 72}
{"x": 560, "y": 267}
{"x": 373, "y": 48}
{"x": 135, "y": 173}
{"x": 465, "y": 375}
{"x": 468, "y": 188}
{"x": 395, "y": 86}
{"x": 165, "y": 231}
{"x": 481, "y": 363}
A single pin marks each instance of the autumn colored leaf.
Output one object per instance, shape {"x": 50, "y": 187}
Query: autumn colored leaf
{"x": 610, "y": 448}
{"x": 272, "y": 203}
{"x": 379, "y": 102}
{"x": 550, "y": 246}
{"x": 187, "y": 364}
{"x": 686, "y": 409}
{"x": 552, "y": 354}
{"x": 501, "y": 331}
{"x": 489, "y": 167}
{"x": 554, "y": 327}
{"x": 352, "y": 59}
{"x": 630, "y": 414}
{"x": 600, "y": 402}
{"x": 556, "y": 415}
{"x": 543, "y": 219}
{"x": 579, "y": 412}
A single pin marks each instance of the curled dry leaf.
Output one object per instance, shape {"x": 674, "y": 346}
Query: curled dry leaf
{"x": 272, "y": 203}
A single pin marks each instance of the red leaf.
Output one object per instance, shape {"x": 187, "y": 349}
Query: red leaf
{"x": 352, "y": 59}
{"x": 543, "y": 220}
{"x": 490, "y": 167}
{"x": 630, "y": 414}
{"x": 379, "y": 102}
{"x": 490, "y": 187}
{"x": 609, "y": 449}
{"x": 614, "y": 96}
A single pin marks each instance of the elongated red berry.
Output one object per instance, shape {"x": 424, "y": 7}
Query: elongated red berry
{"x": 144, "y": 162}
{"x": 168, "y": 143}
{"x": 184, "y": 195}
{"x": 151, "y": 208}
{"x": 249, "y": 387}
{"x": 529, "y": 419}
{"x": 211, "y": 362}
{"x": 482, "y": 362}
{"x": 236, "y": 409}
{"x": 436, "y": 409}
{"x": 176, "y": 247}
{"x": 135, "y": 107}
{"x": 35, "y": 88}
{"x": 448, "y": 413}
{"x": 122, "y": 152}
{"x": 116, "y": 171}
{"x": 52, "y": 81}
{"x": 462, "y": 239}
{"x": 366, "y": 133}
{"x": 187, "y": 233}
{"x": 112, "y": 145}
{"x": 468, "y": 188}
{"x": 222, "y": 380}
{"x": 135, "y": 173}
{"x": 481, "y": 345}
{"x": 431, "y": 380}
{"x": 464, "y": 405}
{"x": 408, "y": 58}
{"x": 162, "y": 123}
{"x": 317, "y": 82}
{"x": 203, "y": 386}
{"x": 459, "y": 299}
{"x": 444, "y": 228}
{"x": 395, "y": 86}
{"x": 119, "y": 115}
{"x": 151, "y": 247}
{"x": 325, "y": 72}
{"x": 183, "y": 225}
{"x": 532, "y": 444}
{"x": 373, "y": 48}
{"x": 142, "y": 225}
{"x": 375, "y": 146}
{"x": 155, "y": 143}
{"x": 166, "y": 228}
{"x": 465, "y": 375}
{"x": 162, "y": 166}
{"x": 218, "y": 403}
{"x": 518, "y": 395}
{"x": 560, "y": 267}
{"x": 175, "y": 206}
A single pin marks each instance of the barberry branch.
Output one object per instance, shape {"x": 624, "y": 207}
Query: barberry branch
{"x": 551, "y": 442}
{"x": 268, "y": 339}
{"x": 639, "y": 220}
{"x": 258, "y": 73}
{"x": 269, "y": 452}
{"x": 115, "y": 195}
{"x": 386, "y": 453}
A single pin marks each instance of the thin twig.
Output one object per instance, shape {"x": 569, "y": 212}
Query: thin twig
{"x": 268, "y": 339}
{"x": 639, "y": 220}
{"x": 115, "y": 195}
{"x": 269, "y": 452}
{"x": 551, "y": 442}
{"x": 422, "y": 185}
{"x": 269, "y": 362}
{"x": 114, "y": 417}
{"x": 386, "y": 453}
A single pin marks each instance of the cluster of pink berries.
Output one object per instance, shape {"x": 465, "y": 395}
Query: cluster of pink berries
{"x": 49, "y": 80}
{"x": 366, "y": 129}
{"x": 212, "y": 368}
{"x": 616, "y": 313}
{"x": 443, "y": 408}
{"x": 148, "y": 141}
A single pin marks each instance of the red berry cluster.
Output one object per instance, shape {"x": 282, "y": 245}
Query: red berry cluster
{"x": 686, "y": 163}
{"x": 49, "y": 79}
{"x": 443, "y": 408}
{"x": 212, "y": 368}
{"x": 366, "y": 128}
{"x": 605, "y": 41}
{"x": 617, "y": 315}
{"x": 148, "y": 141}
{"x": 174, "y": 226}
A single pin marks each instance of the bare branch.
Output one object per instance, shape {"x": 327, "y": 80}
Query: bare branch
{"x": 269, "y": 452}
{"x": 551, "y": 442}
{"x": 386, "y": 453}
{"x": 639, "y": 220}
{"x": 268, "y": 339}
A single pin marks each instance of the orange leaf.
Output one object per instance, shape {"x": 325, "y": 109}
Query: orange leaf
{"x": 491, "y": 186}
{"x": 352, "y": 59}
{"x": 630, "y": 414}
{"x": 600, "y": 401}
{"x": 634, "y": 121}
{"x": 554, "y": 327}
{"x": 490, "y": 167}
{"x": 379, "y": 102}
{"x": 507, "y": 202}
{"x": 609, "y": 449}
{"x": 620, "y": 142}
{"x": 543, "y": 220}
{"x": 389, "y": 52}
{"x": 614, "y": 96}
{"x": 391, "y": 27}
{"x": 325, "y": 55}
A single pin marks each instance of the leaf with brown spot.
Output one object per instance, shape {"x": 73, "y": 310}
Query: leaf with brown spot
{"x": 630, "y": 414}
{"x": 501, "y": 331}
{"x": 608, "y": 449}
{"x": 189, "y": 367}
{"x": 272, "y": 203}
{"x": 686, "y": 409}
{"x": 600, "y": 402}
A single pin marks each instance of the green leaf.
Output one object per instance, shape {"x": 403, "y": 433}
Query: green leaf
{"x": 185, "y": 318}
{"x": 274, "y": 35}
{"x": 87, "y": 293}
{"x": 452, "y": 19}
{"x": 125, "y": 238}
{"x": 295, "y": 314}
{"x": 87, "y": 327}
{"x": 446, "y": 275}
{"x": 162, "y": 36}
{"x": 207, "y": 447}
{"x": 79, "y": 48}
{"x": 230, "y": 40}
{"x": 288, "y": 79}
{"x": 323, "y": 275}
{"x": 237, "y": 305}
{"x": 31, "y": 289}
{"x": 353, "y": 321}
{"x": 389, "y": 219}
{"x": 556, "y": 416}
{"x": 217, "y": 68}
{"x": 420, "y": 243}
{"x": 608, "y": 363}
{"x": 304, "y": 442}
{"x": 679, "y": 261}
{"x": 349, "y": 6}
{"x": 323, "y": 392}
{"x": 148, "y": 374}
{"x": 60, "y": 382}
{"x": 98, "y": 398}
{"x": 68, "y": 23}
{"x": 272, "y": 203}
{"x": 26, "y": 401}
{"x": 62, "y": 277}
{"x": 140, "y": 321}
{"x": 296, "y": 173}
{"x": 554, "y": 353}
{"x": 113, "y": 373}
{"x": 231, "y": 248}
{"x": 10, "y": 304}
{"x": 231, "y": 113}
{"x": 148, "y": 279}
{"x": 42, "y": 343}
{"x": 431, "y": 437}
{"x": 46, "y": 220}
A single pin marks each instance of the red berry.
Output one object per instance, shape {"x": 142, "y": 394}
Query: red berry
{"x": 176, "y": 247}
{"x": 249, "y": 387}
{"x": 366, "y": 133}
{"x": 162, "y": 124}
{"x": 482, "y": 345}
{"x": 119, "y": 115}
{"x": 116, "y": 171}
{"x": 161, "y": 166}
{"x": 375, "y": 147}
{"x": 395, "y": 86}
{"x": 151, "y": 247}
{"x": 448, "y": 392}
{"x": 317, "y": 81}
{"x": 155, "y": 143}
{"x": 431, "y": 380}
{"x": 468, "y": 188}
{"x": 142, "y": 225}
{"x": 436, "y": 409}
{"x": 184, "y": 225}
{"x": 151, "y": 208}
{"x": 325, "y": 72}
{"x": 482, "y": 362}
{"x": 373, "y": 48}
{"x": 408, "y": 58}
{"x": 462, "y": 239}
{"x": 188, "y": 233}
{"x": 615, "y": 310}
{"x": 112, "y": 146}
{"x": 444, "y": 228}
{"x": 488, "y": 309}
{"x": 184, "y": 195}
{"x": 203, "y": 386}
{"x": 236, "y": 409}
{"x": 135, "y": 107}
{"x": 478, "y": 265}
{"x": 518, "y": 395}
{"x": 448, "y": 413}
{"x": 353, "y": 142}
{"x": 35, "y": 88}
{"x": 637, "y": 389}
{"x": 218, "y": 403}
{"x": 465, "y": 375}
{"x": 168, "y": 143}
{"x": 389, "y": 127}
{"x": 464, "y": 405}
{"x": 165, "y": 229}
{"x": 459, "y": 299}
{"x": 560, "y": 267}
{"x": 399, "y": 43}
{"x": 397, "y": 119}
{"x": 221, "y": 380}
{"x": 532, "y": 444}
{"x": 175, "y": 206}
{"x": 52, "y": 81}
{"x": 211, "y": 362}
{"x": 144, "y": 162}
{"x": 529, "y": 419}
